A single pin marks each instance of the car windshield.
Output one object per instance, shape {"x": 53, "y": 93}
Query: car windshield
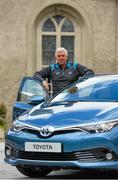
{"x": 98, "y": 88}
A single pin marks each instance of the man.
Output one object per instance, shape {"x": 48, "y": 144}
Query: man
{"x": 63, "y": 73}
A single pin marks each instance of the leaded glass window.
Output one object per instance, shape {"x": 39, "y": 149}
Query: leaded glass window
{"x": 67, "y": 26}
{"x": 48, "y": 49}
{"x": 58, "y": 18}
{"x": 49, "y": 26}
{"x": 68, "y": 43}
{"x": 57, "y": 31}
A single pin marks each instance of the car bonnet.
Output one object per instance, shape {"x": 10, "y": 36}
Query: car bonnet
{"x": 73, "y": 114}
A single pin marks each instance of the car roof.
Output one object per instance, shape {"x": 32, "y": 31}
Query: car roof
{"x": 99, "y": 76}
{"x": 103, "y": 74}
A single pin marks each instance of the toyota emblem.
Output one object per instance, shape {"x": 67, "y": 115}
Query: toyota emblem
{"x": 46, "y": 131}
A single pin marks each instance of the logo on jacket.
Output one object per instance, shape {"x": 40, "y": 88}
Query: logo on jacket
{"x": 70, "y": 72}
{"x": 46, "y": 131}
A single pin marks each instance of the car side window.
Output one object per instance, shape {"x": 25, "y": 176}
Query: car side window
{"x": 31, "y": 88}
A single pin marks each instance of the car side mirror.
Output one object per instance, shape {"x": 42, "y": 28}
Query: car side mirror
{"x": 35, "y": 100}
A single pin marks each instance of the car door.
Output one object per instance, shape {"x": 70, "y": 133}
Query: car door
{"x": 31, "y": 93}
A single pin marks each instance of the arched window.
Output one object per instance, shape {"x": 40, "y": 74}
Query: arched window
{"x": 58, "y": 25}
{"x": 57, "y": 31}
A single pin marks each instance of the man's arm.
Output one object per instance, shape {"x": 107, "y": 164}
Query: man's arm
{"x": 84, "y": 71}
{"x": 42, "y": 75}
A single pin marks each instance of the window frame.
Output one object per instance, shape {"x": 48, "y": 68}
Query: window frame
{"x": 58, "y": 34}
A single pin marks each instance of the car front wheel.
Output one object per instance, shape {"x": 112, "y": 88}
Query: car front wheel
{"x": 33, "y": 171}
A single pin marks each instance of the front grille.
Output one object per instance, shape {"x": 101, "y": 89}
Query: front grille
{"x": 37, "y": 133}
{"x": 82, "y": 156}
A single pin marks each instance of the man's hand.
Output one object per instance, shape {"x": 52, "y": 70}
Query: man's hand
{"x": 46, "y": 85}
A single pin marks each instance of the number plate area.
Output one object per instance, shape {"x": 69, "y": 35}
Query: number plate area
{"x": 43, "y": 147}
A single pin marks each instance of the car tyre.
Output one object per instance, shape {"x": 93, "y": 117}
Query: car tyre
{"x": 33, "y": 171}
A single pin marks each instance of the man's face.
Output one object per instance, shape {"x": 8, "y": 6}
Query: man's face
{"x": 61, "y": 58}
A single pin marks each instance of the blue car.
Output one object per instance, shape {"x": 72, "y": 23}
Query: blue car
{"x": 76, "y": 129}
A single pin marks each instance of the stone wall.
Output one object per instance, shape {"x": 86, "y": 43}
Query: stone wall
{"x": 102, "y": 14}
{"x": 116, "y": 46}
{"x": 14, "y": 18}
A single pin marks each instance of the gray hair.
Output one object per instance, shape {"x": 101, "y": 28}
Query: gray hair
{"x": 61, "y": 49}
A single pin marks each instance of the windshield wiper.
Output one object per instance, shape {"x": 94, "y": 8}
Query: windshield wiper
{"x": 66, "y": 102}
{"x": 61, "y": 103}
{"x": 56, "y": 103}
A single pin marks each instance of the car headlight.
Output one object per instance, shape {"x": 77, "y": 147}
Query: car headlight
{"x": 99, "y": 127}
{"x": 17, "y": 126}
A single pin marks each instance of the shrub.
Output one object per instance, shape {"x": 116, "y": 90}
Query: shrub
{"x": 3, "y": 112}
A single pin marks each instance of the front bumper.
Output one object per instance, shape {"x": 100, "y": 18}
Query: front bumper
{"x": 65, "y": 164}
{"x": 72, "y": 143}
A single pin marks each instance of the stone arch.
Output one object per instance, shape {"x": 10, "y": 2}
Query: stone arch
{"x": 67, "y": 7}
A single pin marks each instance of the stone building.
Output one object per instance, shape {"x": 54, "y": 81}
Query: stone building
{"x": 30, "y": 30}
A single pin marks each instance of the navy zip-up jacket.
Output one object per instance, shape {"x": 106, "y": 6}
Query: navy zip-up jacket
{"x": 60, "y": 77}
